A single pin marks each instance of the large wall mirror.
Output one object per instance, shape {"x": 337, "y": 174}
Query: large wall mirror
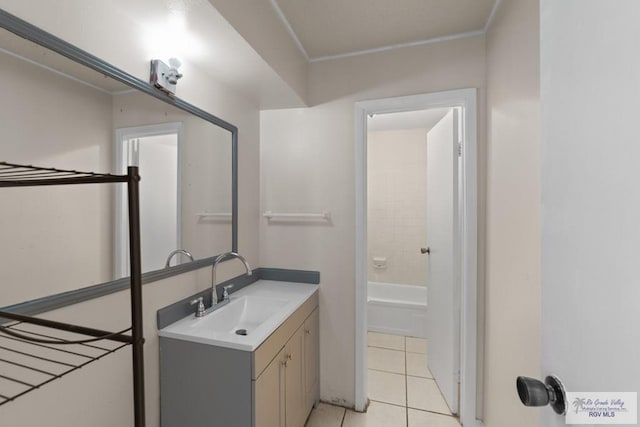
{"x": 65, "y": 109}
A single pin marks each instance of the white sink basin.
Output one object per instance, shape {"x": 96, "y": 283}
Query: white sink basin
{"x": 257, "y": 309}
{"x": 243, "y": 313}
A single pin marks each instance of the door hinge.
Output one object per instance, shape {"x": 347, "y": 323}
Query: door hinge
{"x": 460, "y": 149}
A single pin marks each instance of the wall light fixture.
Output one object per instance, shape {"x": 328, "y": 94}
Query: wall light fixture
{"x": 165, "y": 77}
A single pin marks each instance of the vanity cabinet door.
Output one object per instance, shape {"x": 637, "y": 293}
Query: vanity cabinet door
{"x": 311, "y": 356}
{"x": 294, "y": 379}
{"x": 270, "y": 394}
{"x": 287, "y": 387}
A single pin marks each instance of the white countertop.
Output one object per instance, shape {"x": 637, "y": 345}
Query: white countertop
{"x": 287, "y": 298}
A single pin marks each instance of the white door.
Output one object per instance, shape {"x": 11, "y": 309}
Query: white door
{"x": 158, "y": 163}
{"x": 443, "y": 319}
{"x": 591, "y": 199}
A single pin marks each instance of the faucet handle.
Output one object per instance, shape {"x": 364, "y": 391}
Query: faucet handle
{"x": 225, "y": 294}
{"x": 200, "y": 309}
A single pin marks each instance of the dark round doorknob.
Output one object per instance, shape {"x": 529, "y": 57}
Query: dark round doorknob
{"x": 533, "y": 392}
{"x": 425, "y": 250}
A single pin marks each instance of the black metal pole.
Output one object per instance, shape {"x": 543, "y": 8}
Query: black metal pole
{"x": 136, "y": 297}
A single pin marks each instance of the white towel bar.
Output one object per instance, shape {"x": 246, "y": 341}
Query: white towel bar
{"x": 326, "y": 215}
{"x": 213, "y": 215}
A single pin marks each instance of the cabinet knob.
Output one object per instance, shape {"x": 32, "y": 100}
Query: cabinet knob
{"x": 285, "y": 362}
{"x": 307, "y": 331}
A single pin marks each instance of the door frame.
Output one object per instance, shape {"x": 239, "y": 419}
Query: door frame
{"x": 120, "y": 248}
{"x": 465, "y": 98}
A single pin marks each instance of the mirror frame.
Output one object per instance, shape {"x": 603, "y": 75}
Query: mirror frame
{"x": 30, "y": 32}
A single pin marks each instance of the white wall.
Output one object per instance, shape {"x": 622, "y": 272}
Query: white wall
{"x": 35, "y": 117}
{"x": 101, "y": 29}
{"x": 308, "y": 163}
{"x": 397, "y": 205}
{"x": 590, "y": 235}
{"x": 513, "y": 212}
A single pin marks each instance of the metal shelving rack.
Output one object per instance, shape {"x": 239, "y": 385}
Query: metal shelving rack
{"x": 31, "y": 355}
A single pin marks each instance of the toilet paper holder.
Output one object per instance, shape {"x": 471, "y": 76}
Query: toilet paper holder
{"x": 379, "y": 262}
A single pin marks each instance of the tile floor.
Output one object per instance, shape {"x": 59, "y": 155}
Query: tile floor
{"x": 402, "y": 391}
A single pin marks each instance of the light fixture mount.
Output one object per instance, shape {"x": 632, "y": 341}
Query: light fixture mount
{"x": 165, "y": 77}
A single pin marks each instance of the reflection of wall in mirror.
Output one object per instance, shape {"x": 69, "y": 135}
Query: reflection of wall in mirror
{"x": 205, "y": 169}
{"x": 67, "y": 232}
{"x": 54, "y": 238}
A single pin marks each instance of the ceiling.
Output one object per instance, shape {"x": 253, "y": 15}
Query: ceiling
{"x": 203, "y": 38}
{"x": 335, "y": 28}
{"x": 422, "y": 119}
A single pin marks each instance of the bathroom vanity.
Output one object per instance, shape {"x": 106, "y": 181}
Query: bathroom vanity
{"x": 211, "y": 374}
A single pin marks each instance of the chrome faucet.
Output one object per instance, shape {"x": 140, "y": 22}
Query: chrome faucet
{"x": 200, "y": 311}
{"x": 214, "y": 294}
{"x": 176, "y": 252}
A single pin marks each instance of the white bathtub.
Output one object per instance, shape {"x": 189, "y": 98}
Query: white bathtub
{"x": 397, "y": 309}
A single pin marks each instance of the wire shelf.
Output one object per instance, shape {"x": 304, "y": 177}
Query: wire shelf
{"x": 30, "y": 356}
{"x": 13, "y": 175}
{"x": 26, "y": 365}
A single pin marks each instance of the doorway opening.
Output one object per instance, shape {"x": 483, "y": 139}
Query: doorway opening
{"x": 411, "y": 282}
{"x": 156, "y": 150}
{"x": 412, "y": 187}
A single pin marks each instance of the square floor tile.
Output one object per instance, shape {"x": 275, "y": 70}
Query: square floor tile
{"x": 387, "y": 387}
{"x": 417, "y": 365}
{"x": 382, "y": 359}
{"x": 392, "y": 342}
{"x": 325, "y": 415}
{"x": 423, "y": 393}
{"x": 377, "y": 415}
{"x": 428, "y": 419}
{"x": 416, "y": 345}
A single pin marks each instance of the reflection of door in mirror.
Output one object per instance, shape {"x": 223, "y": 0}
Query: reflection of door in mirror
{"x": 155, "y": 150}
